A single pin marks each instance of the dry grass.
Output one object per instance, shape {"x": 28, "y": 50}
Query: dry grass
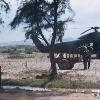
{"x": 29, "y": 68}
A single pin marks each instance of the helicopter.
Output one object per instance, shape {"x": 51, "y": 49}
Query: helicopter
{"x": 70, "y": 47}
{"x": 64, "y": 47}
{"x": 92, "y": 37}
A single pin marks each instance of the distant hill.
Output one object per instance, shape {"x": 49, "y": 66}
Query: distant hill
{"x": 17, "y": 49}
{"x": 68, "y": 39}
{"x": 21, "y": 46}
{"x": 14, "y": 43}
{"x": 28, "y": 42}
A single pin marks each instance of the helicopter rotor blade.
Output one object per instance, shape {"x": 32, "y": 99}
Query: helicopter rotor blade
{"x": 95, "y": 27}
{"x": 86, "y": 31}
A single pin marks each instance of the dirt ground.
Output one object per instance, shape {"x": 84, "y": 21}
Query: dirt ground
{"x": 42, "y": 96}
{"x": 29, "y": 68}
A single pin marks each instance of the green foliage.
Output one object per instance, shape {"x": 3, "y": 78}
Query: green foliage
{"x": 53, "y": 84}
{"x": 30, "y": 50}
{"x": 23, "y": 82}
{"x": 19, "y": 52}
{"x": 18, "y": 49}
{"x": 16, "y": 56}
{"x": 39, "y": 15}
{"x": 4, "y": 6}
{"x": 31, "y": 12}
{"x": 7, "y": 50}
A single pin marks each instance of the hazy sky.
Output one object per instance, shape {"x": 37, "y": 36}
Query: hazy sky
{"x": 87, "y": 14}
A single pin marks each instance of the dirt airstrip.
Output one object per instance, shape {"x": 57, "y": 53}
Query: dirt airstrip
{"x": 28, "y": 68}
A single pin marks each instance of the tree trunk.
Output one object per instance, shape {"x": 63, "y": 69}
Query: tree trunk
{"x": 52, "y": 59}
{"x": 53, "y": 70}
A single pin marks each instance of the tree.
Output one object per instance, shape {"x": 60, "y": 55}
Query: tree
{"x": 42, "y": 15}
{"x": 3, "y": 6}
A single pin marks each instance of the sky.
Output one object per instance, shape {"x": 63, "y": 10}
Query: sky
{"x": 87, "y": 14}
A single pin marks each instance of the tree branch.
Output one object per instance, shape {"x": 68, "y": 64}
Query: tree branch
{"x": 7, "y": 6}
{"x": 49, "y": 23}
